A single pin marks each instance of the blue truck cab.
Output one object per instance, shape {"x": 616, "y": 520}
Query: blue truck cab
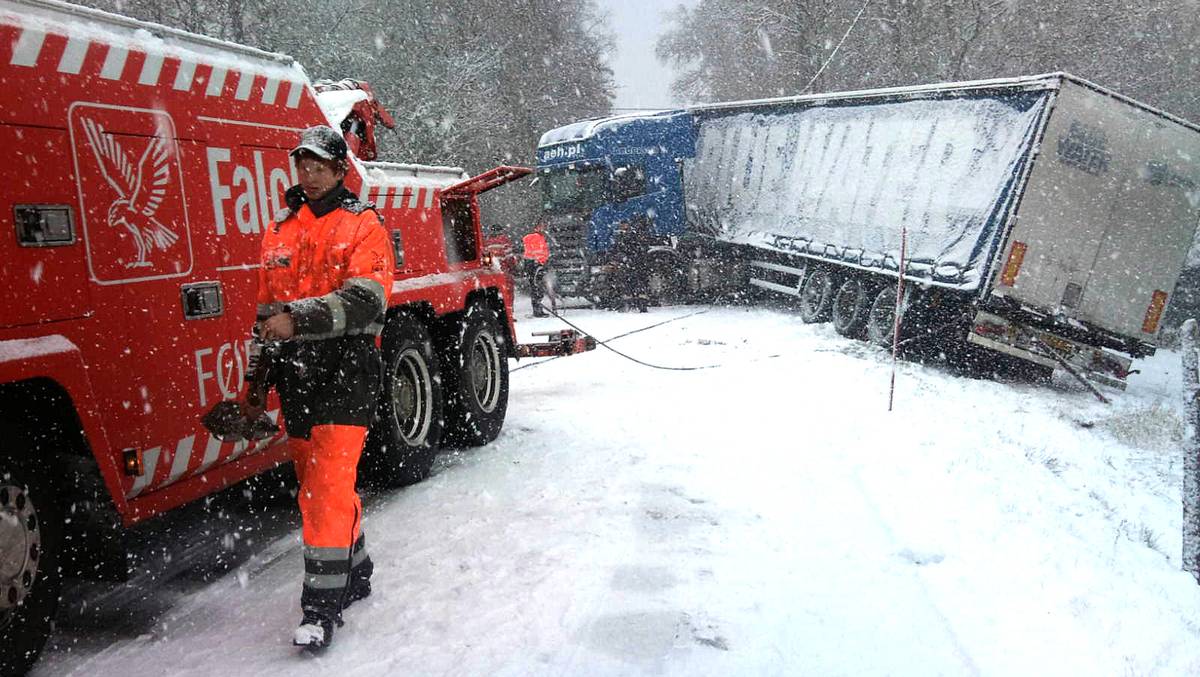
{"x": 596, "y": 174}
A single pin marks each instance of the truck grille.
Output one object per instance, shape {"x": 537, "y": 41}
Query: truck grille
{"x": 568, "y": 254}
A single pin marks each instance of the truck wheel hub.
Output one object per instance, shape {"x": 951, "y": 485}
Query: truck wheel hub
{"x": 20, "y": 545}
{"x": 412, "y": 397}
{"x": 485, "y": 371}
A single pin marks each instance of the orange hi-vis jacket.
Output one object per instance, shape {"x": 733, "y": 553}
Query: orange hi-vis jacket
{"x": 333, "y": 272}
{"x": 536, "y": 247}
{"x": 331, "y": 268}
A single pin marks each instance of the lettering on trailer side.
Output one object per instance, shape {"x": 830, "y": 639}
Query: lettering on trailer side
{"x": 248, "y": 187}
{"x": 1085, "y": 148}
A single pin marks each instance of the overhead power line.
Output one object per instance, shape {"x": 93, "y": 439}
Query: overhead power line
{"x": 835, "y": 49}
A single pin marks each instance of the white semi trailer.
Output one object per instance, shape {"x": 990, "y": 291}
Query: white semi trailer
{"x": 1044, "y": 217}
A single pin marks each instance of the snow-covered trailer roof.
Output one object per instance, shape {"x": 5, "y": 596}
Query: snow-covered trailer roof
{"x": 939, "y": 90}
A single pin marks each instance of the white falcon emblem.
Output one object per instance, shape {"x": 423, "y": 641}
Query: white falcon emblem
{"x": 136, "y": 202}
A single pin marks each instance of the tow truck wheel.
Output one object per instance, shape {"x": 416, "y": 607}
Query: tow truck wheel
{"x": 408, "y": 432}
{"x": 851, "y": 305}
{"x": 29, "y": 572}
{"x": 816, "y": 295}
{"x": 476, "y": 366}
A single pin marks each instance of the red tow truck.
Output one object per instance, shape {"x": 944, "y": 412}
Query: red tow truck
{"x": 143, "y": 164}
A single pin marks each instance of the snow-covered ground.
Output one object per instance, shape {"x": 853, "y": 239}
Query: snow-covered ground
{"x": 767, "y": 516}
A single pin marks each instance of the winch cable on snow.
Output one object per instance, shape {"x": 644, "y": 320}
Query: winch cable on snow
{"x": 605, "y": 343}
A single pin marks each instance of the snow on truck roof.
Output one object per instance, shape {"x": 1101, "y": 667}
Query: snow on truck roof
{"x": 1029, "y": 82}
{"x": 579, "y": 131}
{"x": 84, "y": 26}
{"x": 393, "y": 185}
{"x": 337, "y": 104}
{"x": 401, "y": 174}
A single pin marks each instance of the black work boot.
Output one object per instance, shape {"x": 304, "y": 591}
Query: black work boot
{"x": 316, "y": 630}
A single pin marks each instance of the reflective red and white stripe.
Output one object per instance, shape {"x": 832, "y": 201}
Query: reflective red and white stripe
{"x": 401, "y": 197}
{"x": 191, "y": 456}
{"x": 35, "y": 48}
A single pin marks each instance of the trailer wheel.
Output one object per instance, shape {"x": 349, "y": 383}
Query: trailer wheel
{"x": 881, "y": 317}
{"x": 816, "y": 295}
{"x": 476, "y": 369}
{"x": 667, "y": 282}
{"x": 851, "y": 306}
{"x": 29, "y": 572}
{"x": 408, "y": 432}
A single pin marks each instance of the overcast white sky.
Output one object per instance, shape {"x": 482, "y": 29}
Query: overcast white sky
{"x": 642, "y": 81}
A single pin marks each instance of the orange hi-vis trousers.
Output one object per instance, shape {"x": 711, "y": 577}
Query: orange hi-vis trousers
{"x": 326, "y": 465}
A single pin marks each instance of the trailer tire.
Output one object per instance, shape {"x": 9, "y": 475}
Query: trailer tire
{"x": 475, "y": 368}
{"x": 816, "y": 294}
{"x": 881, "y": 317}
{"x": 667, "y": 282}
{"x": 851, "y": 306}
{"x": 407, "y": 433}
{"x": 30, "y": 579}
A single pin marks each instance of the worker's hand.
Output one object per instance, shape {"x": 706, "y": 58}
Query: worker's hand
{"x": 278, "y": 327}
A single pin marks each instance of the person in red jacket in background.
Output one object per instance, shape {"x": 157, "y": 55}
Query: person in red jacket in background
{"x": 536, "y": 252}
{"x": 324, "y": 280}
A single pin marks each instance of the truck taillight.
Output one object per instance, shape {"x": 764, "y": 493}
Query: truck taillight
{"x": 1155, "y": 311}
{"x": 1013, "y": 266}
{"x": 133, "y": 462}
{"x": 985, "y": 328}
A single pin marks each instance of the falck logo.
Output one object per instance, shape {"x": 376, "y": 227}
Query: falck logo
{"x": 139, "y": 192}
{"x": 131, "y": 193}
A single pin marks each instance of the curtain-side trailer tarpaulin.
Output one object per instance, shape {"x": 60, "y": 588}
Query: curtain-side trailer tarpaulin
{"x": 821, "y": 179}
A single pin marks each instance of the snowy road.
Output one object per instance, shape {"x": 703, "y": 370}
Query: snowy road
{"x": 766, "y": 517}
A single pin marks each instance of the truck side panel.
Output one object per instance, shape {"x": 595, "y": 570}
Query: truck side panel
{"x": 838, "y": 182}
{"x": 1108, "y": 214}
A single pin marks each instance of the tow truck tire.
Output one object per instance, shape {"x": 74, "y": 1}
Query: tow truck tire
{"x": 408, "y": 431}
{"x": 475, "y": 367}
{"x": 851, "y": 306}
{"x": 30, "y": 531}
{"x": 816, "y": 294}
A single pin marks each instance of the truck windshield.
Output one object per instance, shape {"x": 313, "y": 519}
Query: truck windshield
{"x": 574, "y": 190}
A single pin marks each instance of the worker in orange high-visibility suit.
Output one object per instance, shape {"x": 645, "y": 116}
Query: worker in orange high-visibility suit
{"x": 324, "y": 281}
{"x": 536, "y": 258}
